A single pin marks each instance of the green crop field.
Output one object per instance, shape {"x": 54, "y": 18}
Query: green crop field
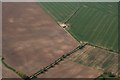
{"x": 95, "y": 23}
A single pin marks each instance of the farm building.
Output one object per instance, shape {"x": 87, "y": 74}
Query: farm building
{"x": 83, "y": 35}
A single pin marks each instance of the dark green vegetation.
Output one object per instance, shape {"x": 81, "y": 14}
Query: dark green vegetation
{"x": 107, "y": 76}
{"x": 101, "y": 59}
{"x": 95, "y": 23}
{"x": 45, "y": 69}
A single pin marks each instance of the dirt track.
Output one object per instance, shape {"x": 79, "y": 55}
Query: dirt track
{"x": 32, "y": 40}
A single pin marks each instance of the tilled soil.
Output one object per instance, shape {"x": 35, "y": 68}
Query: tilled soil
{"x": 32, "y": 40}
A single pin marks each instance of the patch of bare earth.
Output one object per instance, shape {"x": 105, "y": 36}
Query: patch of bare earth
{"x": 32, "y": 40}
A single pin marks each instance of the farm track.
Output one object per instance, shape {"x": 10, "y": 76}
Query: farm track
{"x": 21, "y": 40}
{"x": 32, "y": 40}
{"x": 95, "y": 23}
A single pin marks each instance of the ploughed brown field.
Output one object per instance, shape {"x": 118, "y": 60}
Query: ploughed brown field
{"x": 32, "y": 40}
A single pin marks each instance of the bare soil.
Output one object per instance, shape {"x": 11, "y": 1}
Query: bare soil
{"x": 32, "y": 40}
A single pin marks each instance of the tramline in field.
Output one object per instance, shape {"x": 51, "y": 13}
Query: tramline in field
{"x": 95, "y": 23}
